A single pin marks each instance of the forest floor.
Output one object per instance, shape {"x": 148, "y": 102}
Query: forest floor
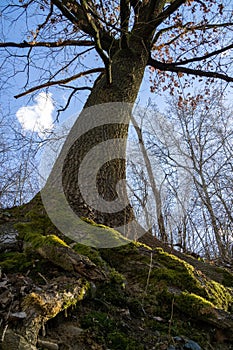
{"x": 60, "y": 295}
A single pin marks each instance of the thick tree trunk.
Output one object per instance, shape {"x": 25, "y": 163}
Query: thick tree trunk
{"x": 127, "y": 72}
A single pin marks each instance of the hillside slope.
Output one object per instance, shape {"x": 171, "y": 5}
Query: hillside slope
{"x": 58, "y": 294}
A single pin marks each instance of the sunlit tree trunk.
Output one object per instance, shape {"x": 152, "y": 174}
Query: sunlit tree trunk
{"x": 127, "y": 70}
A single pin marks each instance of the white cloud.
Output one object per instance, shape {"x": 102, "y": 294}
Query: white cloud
{"x": 38, "y": 117}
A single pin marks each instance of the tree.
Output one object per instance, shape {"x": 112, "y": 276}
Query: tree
{"x": 186, "y": 169}
{"x": 17, "y": 164}
{"x": 178, "y": 40}
{"x": 206, "y": 130}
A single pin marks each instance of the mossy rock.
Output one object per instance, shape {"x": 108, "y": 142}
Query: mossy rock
{"x": 92, "y": 253}
{"x": 227, "y": 277}
{"x": 166, "y": 272}
{"x": 98, "y": 235}
{"x": 36, "y": 240}
{"x": 199, "y": 306}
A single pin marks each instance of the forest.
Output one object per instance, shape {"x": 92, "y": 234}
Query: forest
{"x": 116, "y": 174}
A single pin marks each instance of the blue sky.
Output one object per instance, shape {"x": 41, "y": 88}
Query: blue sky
{"x": 40, "y": 108}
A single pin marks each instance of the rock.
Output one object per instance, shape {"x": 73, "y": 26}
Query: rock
{"x": 45, "y": 344}
{"x": 18, "y": 315}
{"x": 178, "y": 339}
{"x": 191, "y": 345}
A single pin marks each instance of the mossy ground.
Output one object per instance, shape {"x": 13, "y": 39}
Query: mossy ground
{"x": 148, "y": 296}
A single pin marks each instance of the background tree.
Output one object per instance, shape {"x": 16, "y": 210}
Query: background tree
{"x": 18, "y": 167}
{"x": 207, "y": 130}
{"x": 178, "y": 40}
{"x": 189, "y": 146}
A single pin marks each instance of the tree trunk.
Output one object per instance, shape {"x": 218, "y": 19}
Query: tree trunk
{"x": 97, "y": 145}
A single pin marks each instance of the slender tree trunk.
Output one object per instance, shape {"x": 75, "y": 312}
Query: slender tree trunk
{"x": 128, "y": 68}
{"x": 155, "y": 190}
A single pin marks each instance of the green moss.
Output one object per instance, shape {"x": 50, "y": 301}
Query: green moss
{"x": 177, "y": 273}
{"x": 50, "y": 307}
{"x": 41, "y": 226}
{"x": 172, "y": 262}
{"x": 227, "y": 279}
{"x": 37, "y": 240}
{"x": 194, "y": 305}
{"x": 15, "y": 262}
{"x": 118, "y": 341}
{"x": 122, "y": 257}
{"x": 112, "y": 291}
{"x": 32, "y": 218}
{"x": 99, "y": 321}
{"x": 116, "y": 277}
{"x": 106, "y": 327}
{"x": 95, "y": 234}
{"x": 167, "y": 271}
{"x": 68, "y": 301}
{"x": 219, "y": 295}
{"x": 183, "y": 280}
{"x": 90, "y": 252}
{"x": 24, "y": 228}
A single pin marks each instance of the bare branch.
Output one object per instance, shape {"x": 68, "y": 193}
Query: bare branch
{"x": 66, "y": 66}
{"x": 187, "y": 27}
{"x": 204, "y": 57}
{"x": 136, "y": 6}
{"x": 124, "y": 16}
{"x": 170, "y": 67}
{"x": 78, "y": 17}
{"x": 167, "y": 12}
{"x": 98, "y": 43}
{"x": 59, "y": 82}
{"x": 59, "y": 43}
{"x": 75, "y": 89}
{"x": 42, "y": 25}
{"x": 78, "y": 20}
{"x": 153, "y": 14}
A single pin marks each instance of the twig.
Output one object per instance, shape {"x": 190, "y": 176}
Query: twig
{"x": 171, "y": 319}
{"x": 148, "y": 277}
{"x": 59, "y": 82}
{"x": 43, "y": 277}
{"x": 4, "y": 333}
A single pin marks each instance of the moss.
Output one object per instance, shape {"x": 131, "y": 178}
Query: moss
{"x": 219, "y": 295}
{"x": 33, "y": 216}
{"x": 68, "y": 301}
{"x": 168, "y": 271}
{"x": 113, "y": 290}
{"x": 37, "y": 240}
{"x": 49, "y": 307}
{"x": 116, "y": 277}
{"x": 194, "y": 305}
{"x": 105, "y": 327}
{"x": 227, "y": 277}
{"x": 183, "y": 280}
{"x": 121, "y": 257}
{"x": 97, "y": 237}
{"x": 90, "y": 252}
{"x": 172, "y": 262}
{"x": 99, "y": 321}
{"x": 24, "y": 228}
{"x": 118, "y": 341}
{"x": 15, "y": 262}
{"x": 177, "y": 273}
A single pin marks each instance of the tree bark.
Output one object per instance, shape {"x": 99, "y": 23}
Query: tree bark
{"x": 127, "y": 69}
